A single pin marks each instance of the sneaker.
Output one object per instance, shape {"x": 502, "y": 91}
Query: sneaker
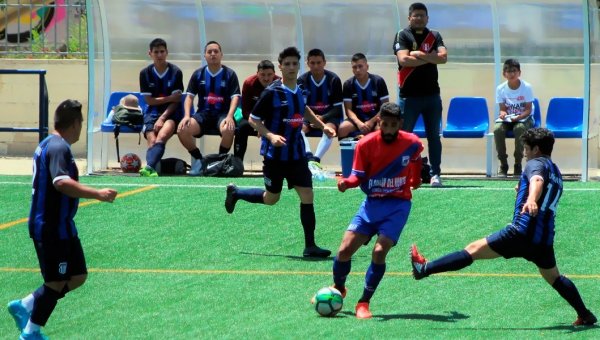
{"x": 19, "y": 313}
{"x": 196, "y": 169}
{"x": 316, "y": 251}
{"x": 37, "y": 335}
{"x": 362, "y": 311}
{"x": 230, "y": 198}
{"x": 436, "y": 181}
{"x": 503, "y": 171}
{"x": 418, "y": 263}
{"x": 518, "y": 170}
{"x": 587, "y": 320}
{"x": 314, "y": 166}
{"x": 147, "y": 171}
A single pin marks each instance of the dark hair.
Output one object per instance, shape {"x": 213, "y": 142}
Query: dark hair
{"x": 391, "y": 110}
{"x": 212, "y": 42}
{"x": 511, "y": 63}
{"x": 289, "y": 52}
{"x": 158, "y": 42}
{"x": 67, "y": 113}
{"x": 315, "y": 52}
{"x": 417, "y": 6}
{"x": 358, "y": 56}
{"x": 265, "y": 65}
{"x": 540, "y": 137}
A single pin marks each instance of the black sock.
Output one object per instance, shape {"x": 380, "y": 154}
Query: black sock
{"x": 44, "y": 304}
{"x": 223, "y": 149}
{"x": 453, "y": 261}
{"x": 566, "y": 288}
{"x": 308, "y": 219}
{"x": 252, "y": 195}
{"x": 196, "y": 153}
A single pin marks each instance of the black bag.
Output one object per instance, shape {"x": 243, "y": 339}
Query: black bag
{"x": 222, "y": 165}
{"x": 124, "y": 116}
{"x": 425, "y": 170}
{"x": 172, "y": 166}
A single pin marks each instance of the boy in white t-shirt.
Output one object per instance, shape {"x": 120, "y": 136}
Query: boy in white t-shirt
{"x": 515, "y": 99}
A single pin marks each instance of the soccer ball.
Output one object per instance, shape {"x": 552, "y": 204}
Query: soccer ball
{"x": 130, "y": 163}
{"x": 328, "y": 301}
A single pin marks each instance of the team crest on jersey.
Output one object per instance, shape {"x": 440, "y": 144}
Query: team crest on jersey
{"x": 223, "y": 83}
{"x": 62, "y": 268}
{"x": 405, "y": 160}
{"x": 414, "y": 45}
{"x": 425, "y": 47}
{"x": 296, "y": 121}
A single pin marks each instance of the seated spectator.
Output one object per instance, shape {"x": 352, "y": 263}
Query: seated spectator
{"x": 363, "y": 95}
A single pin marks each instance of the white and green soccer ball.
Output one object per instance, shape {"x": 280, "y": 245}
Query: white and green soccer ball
{"x": 328, "y": 301}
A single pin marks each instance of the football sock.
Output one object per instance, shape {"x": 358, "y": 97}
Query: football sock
{"x": 223, "y": 149}
{"x": 454, "y": 261}
{"x": 154, "y": 154}
{"x": 240, "y": 144}
{"x": 306, "y": 143}
{"x": 308, "y": 219}
{"x": 372, "y": 279}
{"x": 566, "y": 288}
{"x": 340, "y": 272}
{"x": 252, "y": 195}
{"x": 44, "y": 305}
{"x": 31, "y": 327}
{"x": 196, "y": 153}
{"x": 323, "y": 146}
{"x": 27, "y": 302}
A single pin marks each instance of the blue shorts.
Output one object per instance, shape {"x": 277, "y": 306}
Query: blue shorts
{"x": 381, "y": 216}
{"x": 152, "y": 114}
{"x": 209, "y": 124}
{"x": 60, "y": 260}
{"x": 509, "y": 243}
{"x": 296, "y": 173}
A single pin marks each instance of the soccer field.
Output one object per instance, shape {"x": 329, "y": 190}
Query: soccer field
{"x": 167, "y": 262}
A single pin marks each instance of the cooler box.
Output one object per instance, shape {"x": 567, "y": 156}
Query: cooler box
{"x": 347, "y": 153}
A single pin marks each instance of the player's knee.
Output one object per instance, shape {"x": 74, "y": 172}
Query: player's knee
{"x": 77, "y": 281}
{"x": 271, "y": 199}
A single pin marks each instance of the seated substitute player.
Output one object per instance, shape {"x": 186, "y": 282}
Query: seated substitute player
{"x": 531, "y": 233}
{"x": 218, "y": 93}
{"x": 323, "y": 92}
{"x": 54, "y": 201}
{"x": 364, "y": 93}
{"x": 278, "y": 117}
{"x": 161, "y": 84}
{"x": 386, "y": 165}
{"x": 251, "y": 90}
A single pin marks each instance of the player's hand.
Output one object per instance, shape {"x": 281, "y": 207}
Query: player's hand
{"x": 364, "y": 128}
{"x": 276, "y": 140}
{"x": 329, "y": 131}
{"x": 184, "y": 124}
{"x": 160, "y": 122}
{"x": 229, "y": 123}
{"x": 342, "y": 185}
{"x": 107, "y": 195}
{"x": 502, "y": 115}
{"x": 530, "y": 208}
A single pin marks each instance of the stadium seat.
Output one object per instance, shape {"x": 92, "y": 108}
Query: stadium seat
{"x": 537, "y": 116}
{"x": 109, "y": 127}
{"x": 419, "y": 128}
{"x": 565, "y": 117}
{"x": 468, "y": 117}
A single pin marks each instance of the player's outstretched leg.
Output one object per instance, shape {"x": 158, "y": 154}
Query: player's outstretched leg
{"x": 418, "y": 263}
{"x": 230, "y": 199}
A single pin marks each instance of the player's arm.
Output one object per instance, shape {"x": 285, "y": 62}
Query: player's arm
{"x": 503, "y": 111}
{"x": 536, "y": 185}
{"x": 351, "y": 115}
{"x": 434, "y": 57}
{"x": 257, "y": 124}
{"x": 416, "y": 166}
{"x": 407, "y": 59}
{"x": 72, "y": 188}
{"x": 318, "y": 123}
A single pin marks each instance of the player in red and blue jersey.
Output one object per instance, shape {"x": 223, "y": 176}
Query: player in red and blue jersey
{"x": 218, "y": 92}
{"x": 323, "y": 93}
{"x": 55, "y": 198}
{"x": 278, "y": 117}
{"x": 530, "y": 235}
{"x": 364, "y": 93}
{"x": 387, "y": 165}
{"x": 161, "y": 84}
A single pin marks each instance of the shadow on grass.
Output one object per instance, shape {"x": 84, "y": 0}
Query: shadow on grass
{"x": 291, "y": 257}
{"x": 450, "y": 317}
{"x": 567, "y": 328}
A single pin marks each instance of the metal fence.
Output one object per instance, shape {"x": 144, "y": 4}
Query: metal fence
{"x": 43, "y": 29}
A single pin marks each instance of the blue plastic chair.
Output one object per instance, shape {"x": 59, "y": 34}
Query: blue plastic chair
{"x": 419, "y": 128}
{"x": 109, "y": 126}
{"x": 468, "y": 117}
{"x": 565, "y": 117}
{"x": 537, "y": 116}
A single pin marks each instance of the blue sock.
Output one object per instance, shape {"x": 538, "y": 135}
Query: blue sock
{"x": 566, "y": 288}
{"x": 453, "y": 261}
{"x": 309, "y": 221}
{"x": 340, "y": 272}
{"x": 154, "y": 154}
{"x": 372, "y": 279}
{"x": 252, "y": 195}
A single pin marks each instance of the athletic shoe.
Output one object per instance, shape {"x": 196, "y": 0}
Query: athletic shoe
{"x": 230, "y": 199}
{"x": 19, "y": 313}
{"x": 362, "y": 311}
{"x": 418, "y": 263}
{"x": 314, "y": 165}
{"x": 343, "y": 292}
{"x": 147, "y": 171}
{"x": 518, "y": 170}
{"x": 587, "y": 320}
{"x": 37, "y": 335}
{"x": 502, "y": 171}
{"x": 436, "y": 181}
{"x": 316, "y": 251}
{"x": 196, "y": 169}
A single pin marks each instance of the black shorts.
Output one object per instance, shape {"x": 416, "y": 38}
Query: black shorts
{"x": 208, "y": 123}
{"x": 60, "y": 260}
{"x": 151, "y": 116}
{"x": 509, "y": 243}
{"x": 296, "y": 173}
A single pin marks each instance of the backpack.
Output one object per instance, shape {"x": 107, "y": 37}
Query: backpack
{"x": 172, "y": 166}
{"x": 222, "y": 165}
{"x": 124, "y": 116}
{"x": 425, "y": 170}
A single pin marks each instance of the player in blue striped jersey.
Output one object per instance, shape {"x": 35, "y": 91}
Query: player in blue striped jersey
{"x": 55, "y": 197}
{"x": 323, "y": 93}
{"x": 531, "y": 233}
{"x": 278, "y": 117}
{"x": 218, "y": 91}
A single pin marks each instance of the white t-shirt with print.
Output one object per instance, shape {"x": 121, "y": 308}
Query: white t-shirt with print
{"x": 515, "y": 99}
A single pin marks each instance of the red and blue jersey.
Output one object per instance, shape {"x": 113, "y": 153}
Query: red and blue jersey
{"x": 388, "y": 169}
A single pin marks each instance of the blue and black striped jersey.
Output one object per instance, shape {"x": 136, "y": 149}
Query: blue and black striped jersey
{"x": 321, "y": 97}
{"x": 51, "y": 215}
{"x": 366, "y": 100}
{"x": 214, "y": 91}
{"x": 158, "y": 85}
